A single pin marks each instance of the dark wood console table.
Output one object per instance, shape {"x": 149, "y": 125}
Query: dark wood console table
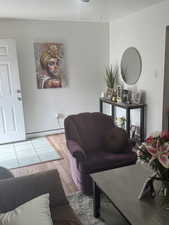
{"x": 128, "y": 108}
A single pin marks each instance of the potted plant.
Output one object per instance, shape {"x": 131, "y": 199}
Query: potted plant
{"x": 111, "y": 79}
{"x": 111, "y": 76}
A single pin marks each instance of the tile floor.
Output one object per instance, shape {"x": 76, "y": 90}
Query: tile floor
{"x": 27, "y": 153}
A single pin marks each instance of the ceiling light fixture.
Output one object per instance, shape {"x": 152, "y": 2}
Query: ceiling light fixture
{"x": 85, "y": 0}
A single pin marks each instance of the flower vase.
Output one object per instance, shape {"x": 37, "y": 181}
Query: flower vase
{"x": 165, "y": 189}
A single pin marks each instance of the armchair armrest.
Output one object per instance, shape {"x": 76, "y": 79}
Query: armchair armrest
{"x": 76, "y": 150}
{"x": 18, "y": 190}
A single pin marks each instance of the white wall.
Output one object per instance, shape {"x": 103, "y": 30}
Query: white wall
{"x": 86, "y": 53}
{"x": 145, "y": 30}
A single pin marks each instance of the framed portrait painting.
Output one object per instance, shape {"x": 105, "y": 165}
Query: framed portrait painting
{"x": 49, "y": 60}
{"x": 137, "y": 97}
{"x": 109, "y": 93}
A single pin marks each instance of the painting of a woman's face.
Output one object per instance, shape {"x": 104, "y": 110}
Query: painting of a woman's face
{"x": 49, "y": 64}
{"x": 53, "y": 66}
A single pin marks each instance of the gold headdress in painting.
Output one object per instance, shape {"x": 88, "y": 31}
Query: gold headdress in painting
{"x": 51, "y": 52}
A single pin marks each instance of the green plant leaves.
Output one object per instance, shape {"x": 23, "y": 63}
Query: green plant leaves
{"x": 111, "y": 75}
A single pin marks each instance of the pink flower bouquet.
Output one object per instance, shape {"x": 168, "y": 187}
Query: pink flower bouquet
{"x": 155, "y": 152}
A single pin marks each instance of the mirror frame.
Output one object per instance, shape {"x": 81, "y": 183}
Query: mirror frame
{"x": 140, "y": 60}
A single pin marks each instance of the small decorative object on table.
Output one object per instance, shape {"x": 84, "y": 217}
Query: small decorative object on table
{"x": 109, "y": 93}
{"x": 148, "y": 188}
{"x": 133, "y": 131}
{"x": 119, "y": 93}
{"x": 120, "y": 122}
{"x": 125, "y": 96}
{"x": 102, "y": 94}
{"x": 114, "y": 95}
{"x": 136, "y": 96}
{"x": 155, "y": 152}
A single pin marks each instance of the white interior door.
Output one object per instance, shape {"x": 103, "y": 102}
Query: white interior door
{"x": 11, "y": 110}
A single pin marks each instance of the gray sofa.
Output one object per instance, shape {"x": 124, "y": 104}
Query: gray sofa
{"x": 15, "y": 191}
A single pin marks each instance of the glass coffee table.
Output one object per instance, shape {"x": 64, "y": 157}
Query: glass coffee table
{"x": 121, "y": 187}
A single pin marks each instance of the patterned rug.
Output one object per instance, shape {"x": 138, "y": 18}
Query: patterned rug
{"x": 83, "y": 208}
{"x": 27, "y": 153}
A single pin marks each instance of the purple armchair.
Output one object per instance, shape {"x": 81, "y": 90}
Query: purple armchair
{"x": 85, "y": 135}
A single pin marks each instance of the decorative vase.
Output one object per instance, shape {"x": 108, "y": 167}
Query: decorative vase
{"x": 164, "y": 191}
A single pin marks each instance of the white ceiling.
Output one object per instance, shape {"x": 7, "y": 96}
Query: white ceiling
{"x": 95, "y": 10}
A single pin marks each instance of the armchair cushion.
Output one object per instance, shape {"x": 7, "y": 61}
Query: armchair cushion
{"x": 101, "y": 160}
{"x": 116, "y": 140}
{"x": 76, "y": 150}
{"x": 88, "y": 129}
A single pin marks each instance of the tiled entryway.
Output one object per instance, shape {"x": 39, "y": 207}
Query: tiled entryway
{"x": 27, "y": 153}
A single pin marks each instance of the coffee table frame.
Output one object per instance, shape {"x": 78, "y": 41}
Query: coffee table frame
{"x": 122, "y": 187}
{"x": 97, "y": 203}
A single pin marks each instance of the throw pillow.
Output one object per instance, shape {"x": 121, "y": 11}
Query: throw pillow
{"x": 116, "y": 140}
{"x": 34, "y": 212}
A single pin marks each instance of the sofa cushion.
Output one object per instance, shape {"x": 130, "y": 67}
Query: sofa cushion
{"x": 116, "y": 140}
{"x": 34, "y": 212}
{"x": 16, "y": 191}
{"x": 101, "y": 160}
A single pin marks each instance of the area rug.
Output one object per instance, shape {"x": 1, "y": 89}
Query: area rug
{"x": 83, "y": 208}
{"x": 27, "y": 153}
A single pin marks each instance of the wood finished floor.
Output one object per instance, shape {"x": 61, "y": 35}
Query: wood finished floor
{"x": 62, "y": 165}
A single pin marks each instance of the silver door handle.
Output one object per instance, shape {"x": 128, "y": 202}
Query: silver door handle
{"x": 19, "y": 98}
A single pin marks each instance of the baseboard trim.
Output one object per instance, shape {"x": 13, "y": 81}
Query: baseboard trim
{"x": 44, "y": 133}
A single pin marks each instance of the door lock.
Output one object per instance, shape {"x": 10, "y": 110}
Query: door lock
{"x": 19, "y": 98}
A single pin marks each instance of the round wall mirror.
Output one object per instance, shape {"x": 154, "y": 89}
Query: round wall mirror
{"x": 131, "y": 65}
